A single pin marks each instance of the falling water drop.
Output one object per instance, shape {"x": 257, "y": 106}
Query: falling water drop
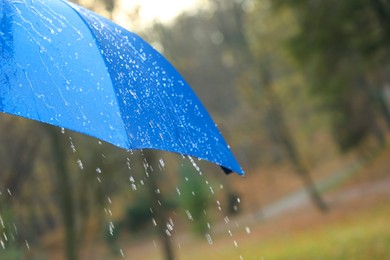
{"x": 162, "y": 163}
{"x": 28, "y": 246}
{"x": 188, "y": 213}
{"x": 170, "y": 227}
{"x": 72, "y": 146}
{"x": 247, "y": 230}
{"x": 121, "y": 252}
{"x": 80, "y": 164}
{"x": 111, "y": 228}
{"x": 2, "y": 222}
{"x": 195, "y": 165}
{"x": 209, "y": 239}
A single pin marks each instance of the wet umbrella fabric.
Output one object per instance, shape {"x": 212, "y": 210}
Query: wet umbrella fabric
{"x": 64, "y": 65}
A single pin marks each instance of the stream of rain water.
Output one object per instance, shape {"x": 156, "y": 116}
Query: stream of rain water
{"x": 135, "y": 184}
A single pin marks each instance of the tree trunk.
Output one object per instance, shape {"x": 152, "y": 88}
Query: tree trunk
{"x": 287, "y": 141}
{"x": 64, "y": 188}
{"x": 305, "y": 176}
{"x": 159, "y": 212}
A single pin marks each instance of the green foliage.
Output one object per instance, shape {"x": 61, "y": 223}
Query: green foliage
{"x": 343, "y": 48}
{"x": 139, "y": 214}
{"x": 195, "y": 199}
{"x": 360, "y": 235}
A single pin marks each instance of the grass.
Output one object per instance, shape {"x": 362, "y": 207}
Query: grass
{"x": 364, "y": 235}
{"x": 357, "y": 227}
{"x": 361, "y": 238}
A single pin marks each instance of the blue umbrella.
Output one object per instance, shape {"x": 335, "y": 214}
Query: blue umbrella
{"x": 64, "y": 65}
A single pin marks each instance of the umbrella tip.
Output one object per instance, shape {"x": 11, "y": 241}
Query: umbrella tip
{"x": 226, "y": 170}
{"x": 229, "y": 171}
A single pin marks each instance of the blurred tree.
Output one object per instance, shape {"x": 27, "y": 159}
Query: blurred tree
{"x": 343, "y": 47}
{"x": 65, "y": 190}
{"x": 160, "y": 212}
{"x": 18, "y": 158}
{"x": 258, "y": 51}
{"x": 194, "y": 44}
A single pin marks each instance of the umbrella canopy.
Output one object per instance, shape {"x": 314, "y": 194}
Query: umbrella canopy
{"x": 64, "y": 65}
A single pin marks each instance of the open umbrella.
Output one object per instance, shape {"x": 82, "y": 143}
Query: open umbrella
{"x": 64, "y": 65}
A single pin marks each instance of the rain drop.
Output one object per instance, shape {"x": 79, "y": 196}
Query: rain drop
{"x": 170, "y": 227}
{"x": 2, "y": 222}
{"x": 247, "y": 230}
{"x": 111, "y": 228}
{"x": 188, "y": 213}
{"x": 162, "y": 163}
{"x": 209, "y": 239}
{"x": 80, "y": 164}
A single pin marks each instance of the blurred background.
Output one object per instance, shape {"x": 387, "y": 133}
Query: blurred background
{"x": 301, "y": 92}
